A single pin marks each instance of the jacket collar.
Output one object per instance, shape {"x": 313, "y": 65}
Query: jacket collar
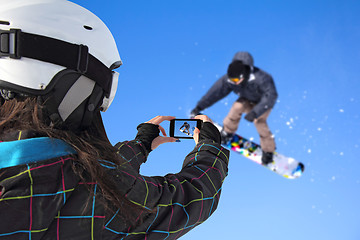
{"x": 32, "y": 150}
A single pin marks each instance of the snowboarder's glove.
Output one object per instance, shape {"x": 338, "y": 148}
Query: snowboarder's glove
{"x": 194, "y": 112}
{"x": 250, "y": 116}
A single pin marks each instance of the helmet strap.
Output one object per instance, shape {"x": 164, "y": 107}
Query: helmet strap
{"x": 73, "y": 102}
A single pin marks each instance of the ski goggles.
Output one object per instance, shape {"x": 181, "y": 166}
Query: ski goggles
{"x": 234, "y": 80}
{"x": 16, "y": 44}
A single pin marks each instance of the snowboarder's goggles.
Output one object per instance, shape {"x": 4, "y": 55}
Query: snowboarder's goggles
{"x": 235, "y": 80}
{"x": 16, "y": 44}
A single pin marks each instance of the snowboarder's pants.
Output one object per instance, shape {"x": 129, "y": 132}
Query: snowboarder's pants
{"x": 231, "y": 123}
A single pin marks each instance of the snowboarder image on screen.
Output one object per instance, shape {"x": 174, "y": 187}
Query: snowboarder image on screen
{"x": 185, "y": 128}
{"x": 257, "y": 96}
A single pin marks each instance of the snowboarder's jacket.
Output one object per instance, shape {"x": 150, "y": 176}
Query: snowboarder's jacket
{"x": 259, "y": 89}
{"x": 42, "y": 198}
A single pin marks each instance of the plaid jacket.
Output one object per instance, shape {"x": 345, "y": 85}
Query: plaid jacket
{"x": 42, "y": 198}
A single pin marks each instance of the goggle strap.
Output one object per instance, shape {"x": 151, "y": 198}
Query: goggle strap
{"x": 72, "y": 56}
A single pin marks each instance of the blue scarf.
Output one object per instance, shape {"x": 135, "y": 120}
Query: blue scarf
{"x": 32, "y": 150}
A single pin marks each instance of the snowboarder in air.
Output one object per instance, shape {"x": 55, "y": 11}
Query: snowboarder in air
{"x": 257, "y": 96}
{"x": 185, "y": 128}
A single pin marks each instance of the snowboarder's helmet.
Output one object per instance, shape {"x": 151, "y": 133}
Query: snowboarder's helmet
{"x": 60, "y": 52}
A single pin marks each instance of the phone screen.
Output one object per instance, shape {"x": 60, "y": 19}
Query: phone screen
{"x": 184, "y": 128}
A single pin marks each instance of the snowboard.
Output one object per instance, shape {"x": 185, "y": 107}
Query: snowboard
{"x": 285, "y": 166}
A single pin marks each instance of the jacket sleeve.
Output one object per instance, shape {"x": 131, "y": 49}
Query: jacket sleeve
{"x": 135, "y": 152}
{"x": 220, "y": 89}
{"x": 269, "y": 96}
{"x": 183, "y": 200}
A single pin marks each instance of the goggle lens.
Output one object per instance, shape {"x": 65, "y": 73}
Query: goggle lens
{"x": 235, "y": 80}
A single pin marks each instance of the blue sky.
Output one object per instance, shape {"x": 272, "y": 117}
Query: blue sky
{"x": 173, "y": 51}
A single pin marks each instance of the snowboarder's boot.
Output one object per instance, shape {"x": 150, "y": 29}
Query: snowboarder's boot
{"x": 225, "y": 137}
{"x": 267, "y": 157}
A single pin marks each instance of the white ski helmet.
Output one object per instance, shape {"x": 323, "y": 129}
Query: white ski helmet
{"x": 61, "y": 52}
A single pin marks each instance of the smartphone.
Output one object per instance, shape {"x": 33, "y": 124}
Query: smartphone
{"x": 184, "y": 128}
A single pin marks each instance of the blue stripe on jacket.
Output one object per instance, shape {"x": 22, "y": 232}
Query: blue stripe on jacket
{"x": 26, "y": 151}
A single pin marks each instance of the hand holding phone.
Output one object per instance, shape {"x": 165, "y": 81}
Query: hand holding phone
{"x": 160, "y": 139}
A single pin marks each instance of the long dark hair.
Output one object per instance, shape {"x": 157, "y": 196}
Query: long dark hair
{"x": 91, "y": 145}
